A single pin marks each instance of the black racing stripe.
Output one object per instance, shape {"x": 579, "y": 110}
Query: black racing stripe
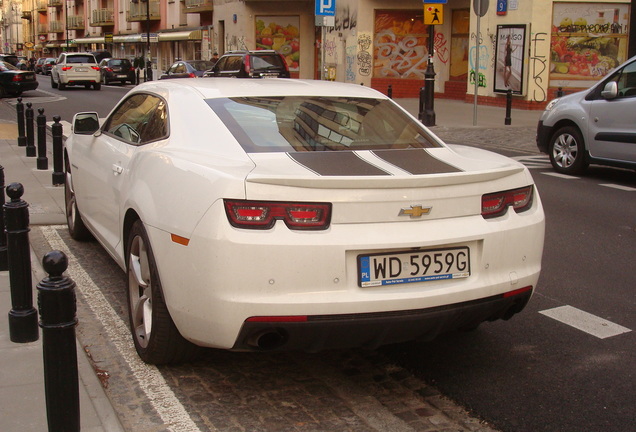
{"x": 338, "y": 163}
{"x": 415, "y": 161}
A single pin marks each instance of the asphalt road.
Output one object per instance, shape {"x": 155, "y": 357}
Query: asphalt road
{"x": 531, "y": 373}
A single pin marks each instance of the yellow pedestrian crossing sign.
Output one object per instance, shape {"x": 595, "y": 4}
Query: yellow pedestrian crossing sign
{"x": 433, "y": 13}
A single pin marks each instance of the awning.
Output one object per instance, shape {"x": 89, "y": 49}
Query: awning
{"x": 53, "y": 45}
{"x": 89, "y": 40}
{"x": 181, "y": 35}
{"x": 130, "y": 38}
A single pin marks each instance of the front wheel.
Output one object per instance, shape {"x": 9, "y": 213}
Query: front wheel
{"x": 155, "y": 335}
{"x": 76, "y": 227}
{"x": 53, "y": 83}
{"x": 567, "y": 151}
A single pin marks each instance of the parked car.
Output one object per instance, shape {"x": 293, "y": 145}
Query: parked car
{"x": 101, "y": 55}
{"x": 595, "y": 126}
{"x": 14, "y": 81}
{"x": 250, "y": 64}
{"x": 270, "y": 217}
{"x": 117, "y": 69}
{"x": 10, "y": 58}
{"x": 76, "y": 69}
{"x": 187, "y": 69}
{"x": 23, "y": 63}
{"x": 39, "y": 64}
{"x": 48, "y": 64}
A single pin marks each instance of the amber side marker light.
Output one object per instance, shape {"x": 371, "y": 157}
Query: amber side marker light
{"x": 180, "y": 240}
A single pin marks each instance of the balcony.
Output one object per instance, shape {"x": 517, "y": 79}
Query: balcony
{"x": 137, "y": 11}
{"x": 76, "y": 22}
{"x": 55, "y": 3}
{"x": 41, "y": 5}
{"x": 103, "y": 18}
{"x": 43, "y": 29}
{"x": 56, "y": 27}
{"x": 26, "y": 15}
{"x": 197, "y": 6}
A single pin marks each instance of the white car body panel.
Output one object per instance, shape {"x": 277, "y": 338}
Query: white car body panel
{"x": 225, "y": 275}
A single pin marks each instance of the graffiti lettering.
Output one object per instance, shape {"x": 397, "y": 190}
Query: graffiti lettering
{"x": 350, "y": 58}
{"x": 538, "y": 68}
{"x": 400, "y": 57}
{"x": 346, "y": 19}
{"x": 592, "y": 28}
{"x": 364, "y": 57}
{"x": 482, "y": 78}
{"x": 440, "y": 47}
{"x": 483, "y": 57}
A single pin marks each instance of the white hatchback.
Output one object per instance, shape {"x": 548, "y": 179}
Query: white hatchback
{"x": 289, "y": 214}
{"x": 76, "y": 69}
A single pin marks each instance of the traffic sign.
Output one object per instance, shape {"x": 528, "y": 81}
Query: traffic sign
{"x": 433, "y": 14}
{"x": 326, "y": 7}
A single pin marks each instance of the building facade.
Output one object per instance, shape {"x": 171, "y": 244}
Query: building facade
{"x": 529, "y": 48}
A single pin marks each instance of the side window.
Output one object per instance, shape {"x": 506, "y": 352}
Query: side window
{"x": 234, "y": 63}
{"x": 181, "y": 68}
{"x": 140, "y": 119}
{"x": 627, "y": 81}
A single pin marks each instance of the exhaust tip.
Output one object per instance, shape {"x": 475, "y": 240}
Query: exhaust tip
{"x": 268, "y": 339}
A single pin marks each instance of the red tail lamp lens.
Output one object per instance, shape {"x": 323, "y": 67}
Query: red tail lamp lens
{"x": 496, "y": 204}
{"x": 264, "y": 214}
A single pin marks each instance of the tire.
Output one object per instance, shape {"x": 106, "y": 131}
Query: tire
{"x": 62, "y": 86}
{"x": 567, "y": 151}
{"x": 53, "y": 83}
{"x": 155, "y": 335}
{"x": 76, "y": 227}
{"x": 104, "y": 81}
{"x": 97, "y": 86}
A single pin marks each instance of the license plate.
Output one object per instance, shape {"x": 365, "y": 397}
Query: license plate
{"x": 122, "y": 76}
{"x": 80, "y": 69}
{"x": 413, "y": 266}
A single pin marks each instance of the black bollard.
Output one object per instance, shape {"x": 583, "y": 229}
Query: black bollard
{"x": 420, "y": 114}
{"x": 58, "y": 149}
{"x": 23, "y": 318}
{"x": 508, "y": 120}
{"x": 389, "y": 92}
{"x": 57, "y": 304}
{"x": 559, "y": 92}
{"x": 19, "y": 107}
{"x": 28, "y": 115}
{"x": 43, "y": 160}
{"x": 4, "y": 256}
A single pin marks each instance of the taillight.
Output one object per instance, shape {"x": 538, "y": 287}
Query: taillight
{"x": 65, "y": 68}
{"x": 496, "y": 204}
{"x": 95, "y": 67}
{"x": 191, "y": 75}
{"x": 263, "y": 214}
{"x": 17, "y": 78}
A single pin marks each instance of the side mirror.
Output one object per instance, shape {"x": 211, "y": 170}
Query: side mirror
{"x": 86, "y": 123}
{"x": 610, "y": 91}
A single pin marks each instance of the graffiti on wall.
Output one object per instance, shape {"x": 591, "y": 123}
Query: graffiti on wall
{"x": 364, "y": 56}
{"x": 350, "y": 63}
{"x": 538, "y": 67}
{"x": 441, "y": 48}
{"x": 235, "y": 42}
{"x": 400, "y": 45}
{"x": 346, "y": 19}
{"x": 484, "y": 54}
{"x": 482, "y": 78}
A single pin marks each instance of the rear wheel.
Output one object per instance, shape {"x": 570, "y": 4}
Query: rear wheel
{"x": 97, "y": 86}
{"x": 76, "y": 227}
{"x": 62, "y": 86}
{"x": 567, "y": 151}
{"x": 155, "y": 335}
{"x": 53, "y": 83}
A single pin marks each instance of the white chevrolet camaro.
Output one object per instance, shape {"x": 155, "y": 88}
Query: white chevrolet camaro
{"x": 269, "y": 214}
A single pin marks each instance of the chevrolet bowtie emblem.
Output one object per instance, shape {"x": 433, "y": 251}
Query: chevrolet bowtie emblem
{"x": 415, "y": 211}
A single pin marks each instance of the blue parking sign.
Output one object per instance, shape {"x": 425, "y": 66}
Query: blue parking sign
{"x": 326, "y": 7}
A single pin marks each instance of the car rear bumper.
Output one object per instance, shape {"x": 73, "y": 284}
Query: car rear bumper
{"x": 372, "y": 330}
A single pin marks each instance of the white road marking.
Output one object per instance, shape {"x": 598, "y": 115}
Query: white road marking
{"x": 160, "y": 395}
{"x": 586, "y": 322}
{"x": 534, "y": 162}
{"x": 615, "y": 186}
{"x": 559, "y": 175}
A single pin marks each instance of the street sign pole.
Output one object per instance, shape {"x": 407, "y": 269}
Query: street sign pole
{"x": 325, "y": 17}
{"x": 481, "y": 7}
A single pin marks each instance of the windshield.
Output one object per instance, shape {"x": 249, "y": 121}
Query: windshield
{"x": 315, "y": 123}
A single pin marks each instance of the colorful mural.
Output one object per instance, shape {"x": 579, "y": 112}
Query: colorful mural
{"x": 281, "y": 34}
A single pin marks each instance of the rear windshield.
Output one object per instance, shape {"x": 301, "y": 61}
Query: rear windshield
{"x": 80, "y": 59}
{"x": 266, "y": 61}
{"x": 120, "y": 62}
{"x": 201, "y": 65}
{"x": 299, "y": 124}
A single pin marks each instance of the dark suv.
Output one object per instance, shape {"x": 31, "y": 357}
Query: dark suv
{"x": 117, "y": 69}
{"x": 250, "y": 64}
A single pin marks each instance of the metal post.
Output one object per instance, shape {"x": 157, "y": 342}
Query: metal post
{"x": 559, "y": 92}
{"x": 429, "y": 80}
{"x": 23, "y": 318}
{"x": 19, "y": 107}
{"x": 508, "y": 120}
{"x": 4, "y": 257}
{"x": 57, "y": 304}
{"x": 30, "y": 148}
{"x": 420, "y": 110}
{"x": 58, "y": 149}
{"x": 43, "y": 160}
{"x": 148, "y": 59}
{"x": 389, "y": 92}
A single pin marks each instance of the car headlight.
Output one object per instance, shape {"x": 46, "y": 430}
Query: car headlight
{"x": 552, "y": 104}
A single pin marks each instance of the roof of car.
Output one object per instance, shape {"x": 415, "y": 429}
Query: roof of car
{"x": 237, "y": 87}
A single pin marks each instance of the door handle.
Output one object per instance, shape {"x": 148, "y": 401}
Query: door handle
{"x": 117, "y": 169}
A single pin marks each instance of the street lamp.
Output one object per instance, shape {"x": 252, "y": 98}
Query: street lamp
{"x": 148, "y": 73}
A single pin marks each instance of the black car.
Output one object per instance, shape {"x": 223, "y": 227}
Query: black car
{"x": 39, "y": 65}
{"x": 117, "y": 69}
{"x": 10, "y": 58}
{"x": 250, "y": 64}
{"x": 14, "y": 81}
{"x": 187, "y": 69}
{"x": 48, "y": 64}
